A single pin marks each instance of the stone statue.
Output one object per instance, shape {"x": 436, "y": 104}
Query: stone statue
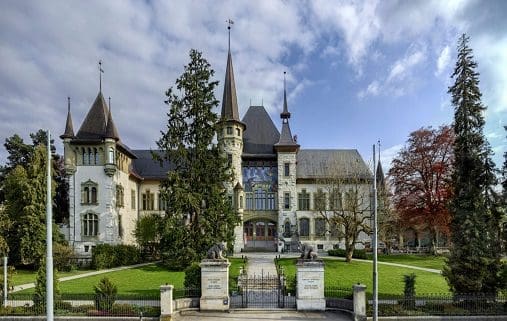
{"x": 215, "y": 252}
{"x": 307, "y": 252}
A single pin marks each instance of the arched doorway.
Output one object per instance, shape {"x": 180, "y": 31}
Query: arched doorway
{"x": 260, "y": 235}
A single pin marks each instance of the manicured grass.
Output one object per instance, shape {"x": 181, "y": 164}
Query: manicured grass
{"x": 29, "y": 276}
{"x": 144, "y": 281}
{"x": 341, "y": 274}
{"x": 425, "y": 261}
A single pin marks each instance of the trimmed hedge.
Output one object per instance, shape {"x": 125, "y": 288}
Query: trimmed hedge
{"x": 357, "y": 254}
{"x": 106, "y": 256}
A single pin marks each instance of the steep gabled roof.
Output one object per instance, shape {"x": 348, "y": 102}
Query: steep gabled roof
{"x": 94, "y": 125}
{"x": 148, "y": 168}
{"x": 261, "y": 134}
{"x": 331, "y": 163}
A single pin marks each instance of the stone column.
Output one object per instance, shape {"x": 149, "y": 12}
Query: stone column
{"x": 359, "y": 302}
{"x": 310, "y": 286}
{"x": 166, "y": 300}
{"x": 214, "y": 285}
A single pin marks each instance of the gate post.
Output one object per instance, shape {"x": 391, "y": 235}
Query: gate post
{"x": 215, "y": 285}
{"x": 310, "y": 286}
{"x": 359, "y": 302}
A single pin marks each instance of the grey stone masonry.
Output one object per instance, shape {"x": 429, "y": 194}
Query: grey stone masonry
{"x": 359, "y": 302}
{"x": 214, "y": 285}
{"x": 310, "y": 289}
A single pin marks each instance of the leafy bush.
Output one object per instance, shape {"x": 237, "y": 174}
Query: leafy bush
{"x": 193, "y": 276}
{"x": 105, "y": 294}
{"x": 62, "y": 255}
{"x": 106, "y": 256}
{"x": 357, "y": 254}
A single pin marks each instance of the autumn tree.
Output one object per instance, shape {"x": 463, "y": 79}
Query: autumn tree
{"x": 388, "y": 220}
{"x": 474, "y": 263}
{"x": 421, "y": 177}
{"x": 348, "y": 211}
{"x": 198, "y": 212}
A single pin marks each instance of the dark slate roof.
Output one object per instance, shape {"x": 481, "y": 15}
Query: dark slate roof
{"x": 285, "y": 113}
{"x": 380, "y": 175}
{"x": 286, "y": 138}
{"x": 261, "y": 134}
{"x": 322, "y": 163}
{"x": 94, "y": 125}
{"x": 111, "y": 131}
{"x": 148, "y": 168}
{"x": 69, "y": 129}
{"x": 229, "y": 101}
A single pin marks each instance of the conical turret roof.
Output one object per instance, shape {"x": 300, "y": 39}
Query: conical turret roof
{"x": 111, "y": 131}
{"x": 69, "y": 129}
{"x": 94, "y": 125}
{"x": 229, "y": 100}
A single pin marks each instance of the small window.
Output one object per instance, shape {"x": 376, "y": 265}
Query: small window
{"x": 241, "y": 202}
{"x": 286, "y": 169}
{"x": 133, "y": 199}
{"x": 119, "y": 196}
{"x": 86, "y": 248}
{"x": 229, "y": 159}
{"x": 89, "y": 193}
{"x": 238, "y": 132}
{"x": 320, "y": 246}
{"x": 229, "y": 130}
{"x": 286, "y": 200}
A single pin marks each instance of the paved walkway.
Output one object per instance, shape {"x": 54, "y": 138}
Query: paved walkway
{"x": 256, "y": 315}
{"x": 261, "y": 264}
{"x": 83, "y": 275}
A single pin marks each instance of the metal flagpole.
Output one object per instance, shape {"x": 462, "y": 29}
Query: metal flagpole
{"x": 375, "y": 241}
{"x": 5, "y": 281}
{"x": 49, "y": 239}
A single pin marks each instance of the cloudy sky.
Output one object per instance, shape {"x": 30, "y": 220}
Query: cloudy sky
{"x": 357, "y": 71}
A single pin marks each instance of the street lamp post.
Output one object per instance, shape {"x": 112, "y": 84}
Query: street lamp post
{"x": 49, "y": 238}
{"x": 375, "y": 240}
{"x": 5, "y": 281}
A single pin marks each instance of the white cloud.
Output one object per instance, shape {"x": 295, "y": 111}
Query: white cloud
{"x": 443, "y": 60}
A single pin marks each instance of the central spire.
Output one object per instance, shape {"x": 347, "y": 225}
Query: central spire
{"x": 285, "y": 115}
{"x": 229, "y": 101}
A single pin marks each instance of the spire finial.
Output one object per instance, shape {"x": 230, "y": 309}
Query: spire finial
{"x": 284, "y": 88}
{"x": 229, "y": 23}
{"x": 285, "y": 115}
{"x": 109, "y": 103}
{"x": 101, "y": 71}
{"x": 68, "y": 104}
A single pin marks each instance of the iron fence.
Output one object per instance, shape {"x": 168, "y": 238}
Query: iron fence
{"x": 84, "y": 305}
{"x": 339, "y": 298}
{"x": 186, "y": 293}
{"x": 442, "y": 304}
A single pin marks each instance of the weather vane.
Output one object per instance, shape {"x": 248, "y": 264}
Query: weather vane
{"x": 101, "y": 71}
{"x": 229, "y": 23}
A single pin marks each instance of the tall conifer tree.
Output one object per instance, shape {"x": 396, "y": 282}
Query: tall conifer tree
{"x": 198, "y": 212}
{"x": 474, "y": 262}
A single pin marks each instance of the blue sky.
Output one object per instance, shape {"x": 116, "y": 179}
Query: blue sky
{"x": 357, "y": 71}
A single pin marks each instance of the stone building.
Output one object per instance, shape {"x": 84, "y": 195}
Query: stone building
{"x": 281, "y": 191}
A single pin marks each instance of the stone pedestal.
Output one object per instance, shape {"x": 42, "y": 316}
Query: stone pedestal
{"x": 310, "y": 286}
{"x": 166, "y": 300}
{"x": 359, "y": 302}
{"x": 214, "y": 285}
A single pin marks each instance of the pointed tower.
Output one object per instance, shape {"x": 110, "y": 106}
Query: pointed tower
{"x": 67, "y": 136}
{"x": 230, "y": 139}
{"x": 287, "y": 150}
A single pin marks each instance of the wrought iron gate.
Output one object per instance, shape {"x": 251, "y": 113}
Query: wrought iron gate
{"x": 262, "y": 291}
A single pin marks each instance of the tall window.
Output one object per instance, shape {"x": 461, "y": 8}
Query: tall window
{"x": 249, "y": 201}
{"x": 119, "y": 196}
{"x": 320, "y": 227}
{"x": 84, "y": 156}
{"x": 334, "y": 229}
{"x": 260, "y": 198}
{"x": 304, "y": 227}
{"x": 95, "y": 156}
{"x": 89, "y": 193}
{"x": 303, "y": 201}
{"x": 286, "y": 200}
{"x": 148, "y": 201}
{"x": 90, "y": 156}
{"x": 319, "y": 200}
{"x": 271, "y": 201}
{"x": 90, "y": 224}
{"x": 111, "y": 156}
{"x": 162, "y": 204}
{"x": 240, "y": 201}
{"x": 286, "y": 169}
{"x": 133, "y": 199}
{"x": 238, "y": 132}
{"x": 286, "y": 229}
{"x": 260, "y": 230}
{"x": 229, "y": 159}
{"x": 229, "y": 130}
{"x": 335, "y": 200}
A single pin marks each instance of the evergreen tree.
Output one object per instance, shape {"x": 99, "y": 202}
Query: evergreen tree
{"x": 474, "y": 262}
{"x": 198, "y": 212}
{"x": 39, "y": 296}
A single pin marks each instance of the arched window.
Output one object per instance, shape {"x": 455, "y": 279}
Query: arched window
{"x": 86, "y": 195}
{"x": 94, "y": 195}
{"x": 90, "y": 156}
{"x": 304, "y": 227}
{"x": 96, "y": 156}
{"x": 90, "y": 224}
{"x": 286, "y": 229}
{"x": 83, "y": 154}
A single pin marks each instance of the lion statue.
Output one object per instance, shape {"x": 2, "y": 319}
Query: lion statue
{"x": 307, "y": 252}
{"x": 215, "y": 252}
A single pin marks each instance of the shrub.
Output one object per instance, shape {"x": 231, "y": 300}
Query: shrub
{"x": 10, "y": 272}
{"x": 409, "y": 291}
{"x": 193, "y": 276}
{"x": 107, "y": 256}
{"x": 357, "y": 254}
{"x": 62, "y": 254}
{"x": 39, "y": 297}
{"x": 105, "y": 294}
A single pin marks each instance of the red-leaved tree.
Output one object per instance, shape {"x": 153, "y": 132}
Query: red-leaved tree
{"x": 421, "y": 177}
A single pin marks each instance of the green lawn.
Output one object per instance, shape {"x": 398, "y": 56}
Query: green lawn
{"x": 28, "y": 276}
{"x": 425, "y": 261}
{"x": 139, "y": 281}
{"x": 341, "y": 274}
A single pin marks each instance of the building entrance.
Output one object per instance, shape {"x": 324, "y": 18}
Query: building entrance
{"x": 260, "y": 235}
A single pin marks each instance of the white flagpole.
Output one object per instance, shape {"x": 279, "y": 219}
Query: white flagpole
{"x": 49, "y": 239}
{"x": 375, "y": 241}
